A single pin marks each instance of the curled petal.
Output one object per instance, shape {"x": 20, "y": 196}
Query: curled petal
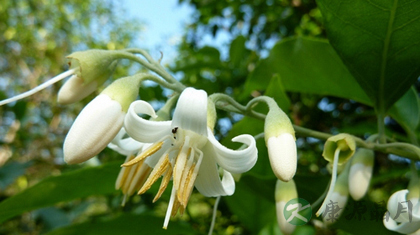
{"x": 208, "y": 181}
{"x": 191, "y": 111}
{"x": 143, "y": 130}
{"x": 124, "y": 146}
{"x": 235, "y": 161}
{"x": 404, "y": 228}
{"x": 399, "y": 199}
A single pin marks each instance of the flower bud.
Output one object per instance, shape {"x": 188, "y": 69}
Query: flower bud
{"x": 360, "y": 173}
{"x": 281, "y": 143}
{"x": 285, "y": 191}
{"x": 100, "y": 121}
{"x": 344, "y": 142}
{"x": 93, "y": 68}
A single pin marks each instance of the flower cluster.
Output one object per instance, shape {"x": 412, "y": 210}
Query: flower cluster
{"x": 181, "y": 150}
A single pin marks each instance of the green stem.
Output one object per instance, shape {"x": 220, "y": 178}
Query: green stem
{"x": 381, "y": 126}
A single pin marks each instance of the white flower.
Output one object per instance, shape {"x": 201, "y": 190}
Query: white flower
{"x": 187, "y": 151}
{"x": 403, "y": 214}
{"x": 97, "y": 124}
{"x": 335, "y": 207}
{"x": 283, "y": 156}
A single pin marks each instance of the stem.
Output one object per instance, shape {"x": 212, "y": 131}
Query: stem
{"x": 213, "y": 219}
{"x": 381, "y": 126}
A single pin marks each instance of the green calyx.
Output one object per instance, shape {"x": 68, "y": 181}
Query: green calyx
{"x": 94, "y": 64}
{"x": 344, "y": 142}
{"x": 363, "y": 156}
{"x": 277, "y": 123}
{"x": 124, "y": 90}
{"x": 285, "y": 191}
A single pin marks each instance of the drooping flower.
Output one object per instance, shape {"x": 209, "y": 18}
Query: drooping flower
{"x": 186, "y": 150}
{"x": 337, "y": 149}
{"x": 100, "y": 121}
{"x": 285, "y": 191}
{"x": 360, "y": 173}
{"x": 281, "y": 143}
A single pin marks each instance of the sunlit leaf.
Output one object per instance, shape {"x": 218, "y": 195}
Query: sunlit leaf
{"x": 308, "y": 66}
{"x": 379, "y": 43}
{"x": 68, "y": 186}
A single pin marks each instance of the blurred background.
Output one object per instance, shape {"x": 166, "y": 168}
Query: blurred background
{"x": 208, "y": 44}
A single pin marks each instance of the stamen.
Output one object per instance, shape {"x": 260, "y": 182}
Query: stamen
{"x": 191, "y": 178}
{"x": 333, "y": 179}
{"x": 132, "y": 171}
{"x": 185, "y": 178}
{"x": 146, "y": 153}
{"x": 39, "y": 87}
{"x": 142, "y": 172}
{"x": 181, "y": 160}
{"x": 158, "y": 171}
{"x": 169, "y": 210}
{"x": 164, "y": 183}
{"x": 175, "y": 207}
{"x": 122, "y": 176}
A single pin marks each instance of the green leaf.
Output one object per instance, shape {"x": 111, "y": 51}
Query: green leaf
{"x": 308, "y": 66}
{"x": 406, "y": 111}
{"x": 379, "y": 42}
{"x": 68, "y": 186}
{"x": 237, "y": 51}
{"x": 276, "y": 90}
{"x": 253, "y": 202}
{"x": 125, "y": 224}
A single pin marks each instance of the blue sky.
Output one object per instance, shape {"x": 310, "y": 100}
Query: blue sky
{"x": 163, "y": 23}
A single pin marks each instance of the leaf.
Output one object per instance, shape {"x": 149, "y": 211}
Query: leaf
{"x": 276, "y": 90}
{"x": 253, "y": 202}
{"x": 237, "y": 51}
{"x": 379, "y": 42}
{"x": 125, "y": 224}
{"x": 68, "y": 186}
{"x": 308, "y": 66}
{"x": 406, "y": 111}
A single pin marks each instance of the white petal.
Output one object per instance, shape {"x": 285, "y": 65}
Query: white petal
{"x": 400, "y": 198}
{"x": 235, "y": 161}
{"x": 285, "y": 227}
{"x": 404, "y": 228}
{"x": 191, "y": 111}
{"x": 96, "y": 125}
{"x": 208, "y": 181}
{"x": 283, "y": 156}
{"x": 359, "y": 179}
{"x": 75, "y": 89}
{"x": 143, "y": 130}
{"x": 124, "y": 146}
